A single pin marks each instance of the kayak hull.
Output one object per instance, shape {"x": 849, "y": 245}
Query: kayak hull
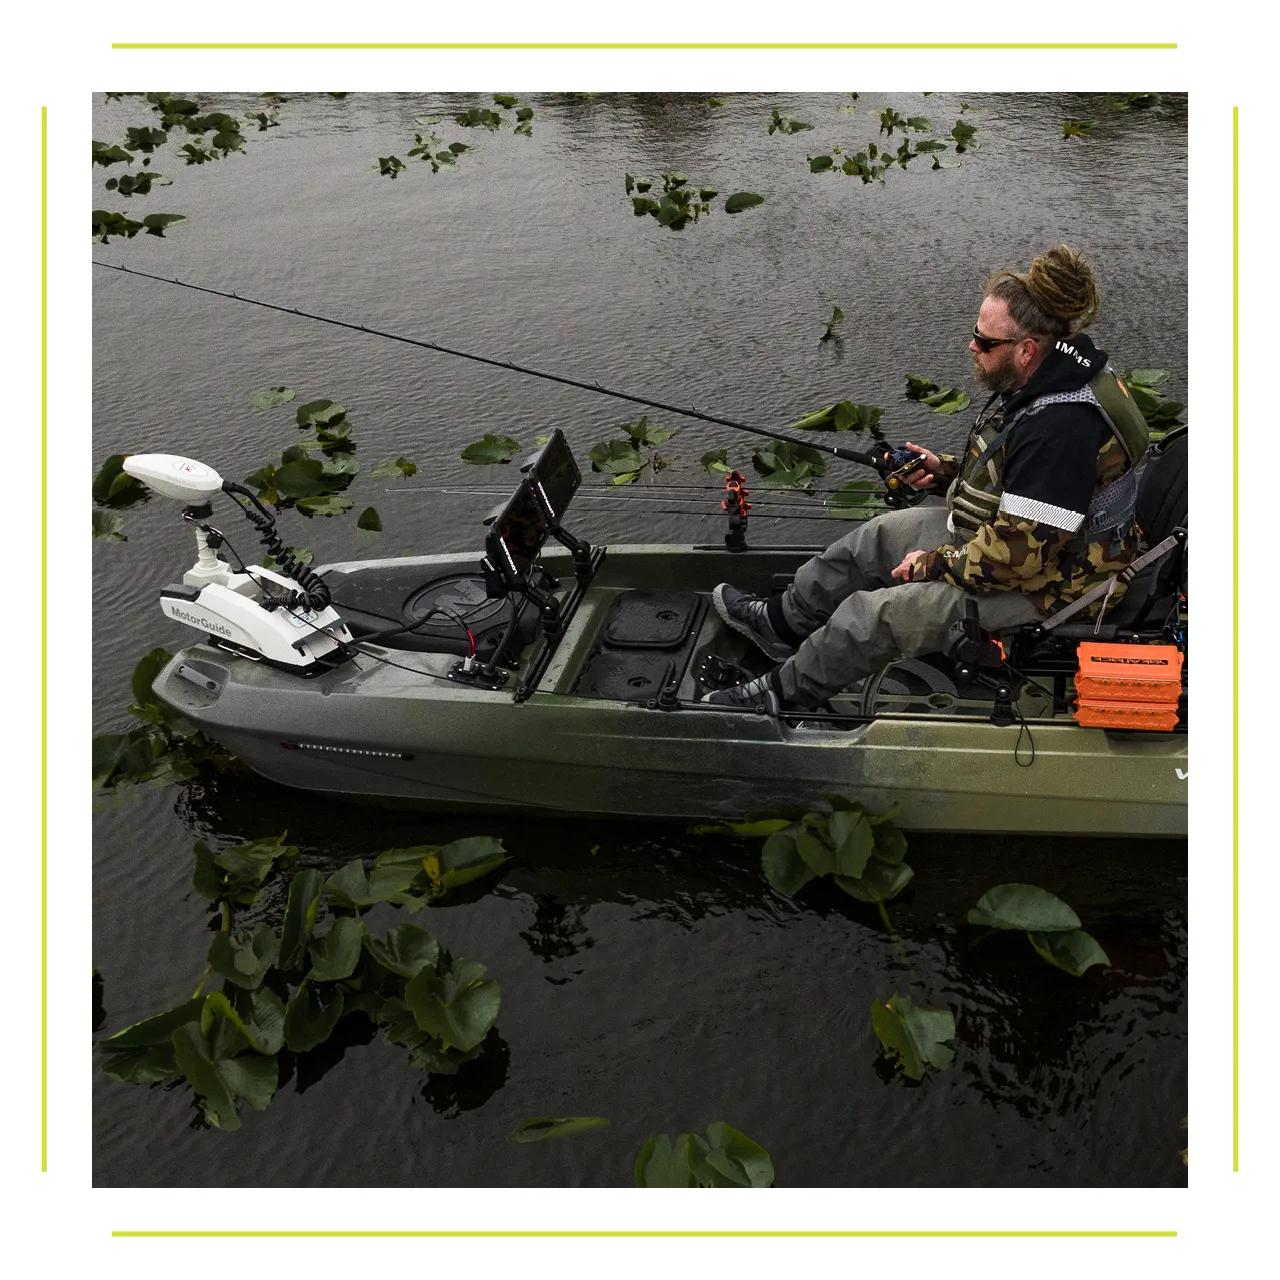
{"x": 408, "y": 734}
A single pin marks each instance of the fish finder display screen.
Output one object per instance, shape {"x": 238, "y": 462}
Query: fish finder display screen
{"x": 556, "y": 474}
{"x": 517, "y": 535}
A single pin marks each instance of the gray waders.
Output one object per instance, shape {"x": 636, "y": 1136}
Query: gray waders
{"x": 857, "y": 618}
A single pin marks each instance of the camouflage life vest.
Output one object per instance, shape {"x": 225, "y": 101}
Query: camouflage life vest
{"x": 973, "y": 498}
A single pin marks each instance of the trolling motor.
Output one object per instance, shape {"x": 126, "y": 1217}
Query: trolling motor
{"x": 282, "y": 616}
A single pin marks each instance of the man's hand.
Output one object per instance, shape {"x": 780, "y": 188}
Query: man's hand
{"x": 903, "y": 572}
{"x": 930, "y": 463}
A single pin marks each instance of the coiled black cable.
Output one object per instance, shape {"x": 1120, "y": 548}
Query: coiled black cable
{"x": 315, "y": 591}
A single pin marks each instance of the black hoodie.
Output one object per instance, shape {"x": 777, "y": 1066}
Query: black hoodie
{"x": 1050, "y": 464}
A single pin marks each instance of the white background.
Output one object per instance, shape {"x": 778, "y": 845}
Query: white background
{"x": 56, "y": 59}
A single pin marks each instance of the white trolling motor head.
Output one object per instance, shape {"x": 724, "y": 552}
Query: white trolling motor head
{"x": 173, "y": 477}
{"x": 258, "y": 612}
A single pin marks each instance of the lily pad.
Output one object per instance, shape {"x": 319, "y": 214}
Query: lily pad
{"x": 113, "y": 486}
{"x": 396, "y": 467}
{"x": 915, "y": 1038}
{"x": 1023, "y": 906}
{"x": 716, "y": 462}
{"x": 311, "y": 1014}
{"x": 405, "y": 951}
{"x": 724, "y": 1158}
{"x": 458, "y": 1006}
{"x": 370, "y": 519}
{"x": 108, "y": 526}
{"x": 273, "y": 396}
{"x": 783, "y": 867}
{"x": 1073, "y": 951}
{"x": 243, "y": 958}
{"x": 301, "y": 906}
{"x": 491, "y": 449}
{"x": 617, "y": 457}
{"x": 544, "y": 1129}
{"x": 324, "y": 505}
{"x": 334, "y": 955}
{"x": 219, "y": 1082}
{"x": 463, "y": 861}
{"x": 643, "y": 432}
{"x": 353, "y": 887}
{"x": 742, "y": 200}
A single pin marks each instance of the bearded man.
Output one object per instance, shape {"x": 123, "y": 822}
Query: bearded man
{"x": 1038, "y": 510}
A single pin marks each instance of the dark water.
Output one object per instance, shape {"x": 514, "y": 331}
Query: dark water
{"x": 648, "y": 975}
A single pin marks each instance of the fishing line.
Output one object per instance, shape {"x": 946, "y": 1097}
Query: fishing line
{"x": 689, "y": 411}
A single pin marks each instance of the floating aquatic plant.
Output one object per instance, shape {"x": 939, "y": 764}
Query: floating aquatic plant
{"x": 286, "y": 988}
{"x": 915, "y": 1039}
{"x": 926, "y": 391}
{"x": 723, "y": 1158}
{"x": 547, "y": 1129}
{"x": 490, "y": 449}
{"x": 837, "y": 319}
{"x": 1052, "y": 927}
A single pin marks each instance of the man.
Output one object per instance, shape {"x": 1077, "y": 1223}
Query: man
{"x": 1038, "y": 511}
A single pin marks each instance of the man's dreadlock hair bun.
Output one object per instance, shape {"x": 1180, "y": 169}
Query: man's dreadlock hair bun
{"x": 1056, "y": 297}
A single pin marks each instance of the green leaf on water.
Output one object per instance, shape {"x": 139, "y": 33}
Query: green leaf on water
{"x": 617, "y": 457}
{"x": 821, "y": 163}
{"x": 462, "y": 861}
{"x": 155, "y": 223}
{"x": 479, "y": 117}
{"x": 395, "y": 467}
{"x": 754, "y": 828}
{"x": 714, "y": 102}
{"x": 458, "y": 1007}
{"x": 918, "y": 386}
{"x": 390, "y": 166}
{"x": 405, "y": 951}
{"x": 115, "y": 487}
{"x": 319, "y": 413}
{"x": 837, "y": 319}
{"x": 643, "y": 432}
{"x": 545, "y": 1129}
{"x": 951, "y": 401}
{"x": 963, "y": 134}
{"x": 1073, "y": 951}
{"x": 1077, "y": 128}
{"x": 785, "y": 124}
{"x": 742, "y": 200}
{"x": 1023, "y": 906}
{"x": 108, "y": 526}
{"x": 244, "y": 958}
{"x": 491, "y": 449}
{"x": 370, "y": 519}
{"x": 324, "y": 505}
{"x": 724, "y": 1158}
{"x": 219, "y": 1082}
{"x": 303, "y": 478}
{"x": 311, "y": 1014}
{"x": 273, "y": 396}
{"x": 507, "y": 100}
{"x": 915, "y": 1038}
{"x": 353, "y": 887}
{"x": 334, "y": 955}
{"x": 783, "y": 867}
{"x": 716, "y": 462}
{"x": 105, "y": 154}
{"x": 301, "y": 906}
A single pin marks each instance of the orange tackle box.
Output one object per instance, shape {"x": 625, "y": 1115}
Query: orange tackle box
{"x": 1128, "y": 686}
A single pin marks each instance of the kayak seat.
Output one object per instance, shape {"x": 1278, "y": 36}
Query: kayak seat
{"x": 1155, "y": 592}
{"x": 439, "y": 610}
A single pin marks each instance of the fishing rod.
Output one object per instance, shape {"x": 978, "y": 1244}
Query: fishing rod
{"x": 893, "y": 465}
{"x": 618, "y": 497}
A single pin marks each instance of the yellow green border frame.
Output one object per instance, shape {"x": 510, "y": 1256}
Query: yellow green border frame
{"x": 458, "y": 45}
{"x": 44, "y": 639}
{"x": 1235, "y": 640}
{"x": 613, "y": 1235}
{"x": 164, "y": 1234}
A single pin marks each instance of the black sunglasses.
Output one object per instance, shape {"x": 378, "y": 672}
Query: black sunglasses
{"x": 986, "y": 344}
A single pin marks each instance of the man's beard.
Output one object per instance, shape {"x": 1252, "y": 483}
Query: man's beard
{"x": 1000, "y": 377}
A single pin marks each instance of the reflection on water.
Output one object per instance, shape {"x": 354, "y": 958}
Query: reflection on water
{"x": 648, "y": 975}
